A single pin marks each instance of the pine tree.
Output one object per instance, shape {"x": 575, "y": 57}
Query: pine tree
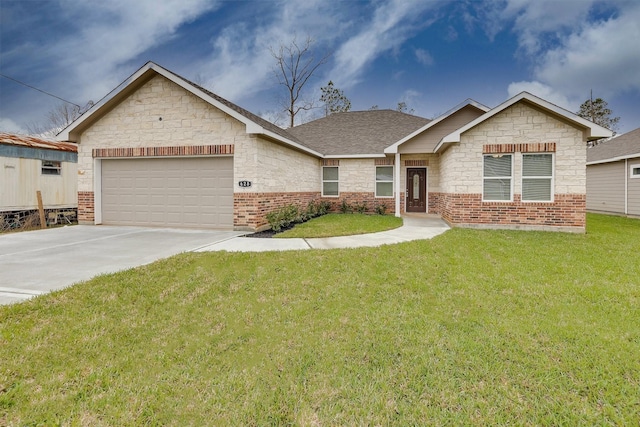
{"x": 334, "y": 100}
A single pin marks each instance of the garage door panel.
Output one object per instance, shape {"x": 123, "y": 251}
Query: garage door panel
{"x": 174, "y": 192}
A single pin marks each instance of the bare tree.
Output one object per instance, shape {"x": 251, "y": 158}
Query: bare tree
{"x": 295, "y": 64}
{"x": 58, "y": 118}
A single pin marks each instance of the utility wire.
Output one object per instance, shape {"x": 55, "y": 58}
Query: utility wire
{"x": 39, "y": 90}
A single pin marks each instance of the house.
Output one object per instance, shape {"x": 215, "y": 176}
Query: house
{"x": 613, "y": 175}
{"x": 163, "y": 151}
{"x": 29, "y": 165}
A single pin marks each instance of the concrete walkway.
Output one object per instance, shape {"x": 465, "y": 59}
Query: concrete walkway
{"x": 415, "y": 227}
{"x": 36, "y": 262}
{"x": 39, "y": 261}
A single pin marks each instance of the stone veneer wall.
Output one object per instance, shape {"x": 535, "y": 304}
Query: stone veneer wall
{"x": 272, "y": 168}
{"x": 357, "y": 184}
{"x": 519, "y": 128}
{"x": 158, "y": 114}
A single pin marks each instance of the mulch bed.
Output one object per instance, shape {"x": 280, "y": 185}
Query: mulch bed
{"x": 267, "y": 234}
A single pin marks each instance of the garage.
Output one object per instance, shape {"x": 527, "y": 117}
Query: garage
{"x": 192, "y": 192}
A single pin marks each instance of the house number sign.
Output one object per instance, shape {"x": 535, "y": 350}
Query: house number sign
{"x": 244, "y": 184}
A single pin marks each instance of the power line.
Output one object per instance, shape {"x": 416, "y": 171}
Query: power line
{"x": 39, "y": 90}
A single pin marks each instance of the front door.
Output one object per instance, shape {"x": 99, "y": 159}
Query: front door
{"x": 416, "y": 190}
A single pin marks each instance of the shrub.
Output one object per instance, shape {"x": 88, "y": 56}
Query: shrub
{"x": 324, "y": 207}
{"x": 312, "y": 210}
{"x": 345, "y": 207}
{"x": 361, "y": 208}
{"x": 381, "y": 209}
{"x": 289, "y": 214}
{"x": 283, "y": 217}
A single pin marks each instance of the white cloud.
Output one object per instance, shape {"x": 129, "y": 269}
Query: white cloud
{"x": 241, "y": 63}
{"x": 601, "y": 56}
{"x": 424, "y": 57}
{"x": 542, "y": 91}
{"x": 534, "y": 18}
{"x": 410, "y": 96}
{"x": 9, "y": 126}
{"x": 116, "y": 31}
{"x": 392, "y": 23}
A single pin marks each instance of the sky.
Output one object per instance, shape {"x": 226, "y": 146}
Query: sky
{"x": 432, "y": 55}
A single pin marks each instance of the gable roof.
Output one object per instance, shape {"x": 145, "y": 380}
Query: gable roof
{"x": 33, "y": 142}
{"x": 253, "y": 123}
{"x": 468, "y": 102}
{"x": 593, "y": 131}
{"x": 619, "y": 148}
{"x": 357, "y": 133}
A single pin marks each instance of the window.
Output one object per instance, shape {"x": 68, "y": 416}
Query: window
{"x": 51, "y": 167}
{"x": 384, "y": 181}
{"x": 497, "y": 177}
{"x": 635, "y": 171}
{"x": 537, "y": 177}
{"x": 329, "y": 180}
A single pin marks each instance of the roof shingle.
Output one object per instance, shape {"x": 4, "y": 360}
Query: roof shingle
{"x": 621, "y": 146}
{"x": 357, "y": 132}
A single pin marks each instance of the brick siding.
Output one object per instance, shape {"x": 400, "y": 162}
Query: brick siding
{"x": 567, "y": 211}
{"x": 250, "y": 209}
{"x": 86, "y": 207}
{"x": 197, "y": 150}
{"x": 357, "y": 198}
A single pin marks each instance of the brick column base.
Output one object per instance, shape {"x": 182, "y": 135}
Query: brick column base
{"x": 86, "y": 207}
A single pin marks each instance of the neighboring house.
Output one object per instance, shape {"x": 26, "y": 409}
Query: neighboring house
{"x": 29, "y": 165}
{"x": 163, "y": 151}
{"x": 613, "y": 175}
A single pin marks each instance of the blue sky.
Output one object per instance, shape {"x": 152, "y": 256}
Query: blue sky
{"x": 430, "y": 54}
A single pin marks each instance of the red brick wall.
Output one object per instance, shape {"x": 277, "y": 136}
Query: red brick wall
{"x": 250, "y": 209}
{"x": 567, "y": 210}
{"x": 354, "y": 198}
{"x": 86, "y": 206}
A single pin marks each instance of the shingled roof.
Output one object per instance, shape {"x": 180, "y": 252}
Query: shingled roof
{"x": 356, "y": 132}
{"x": 618, "y": 148}
{"x": 254, "y": 123}
{"x": 246, "y": 113}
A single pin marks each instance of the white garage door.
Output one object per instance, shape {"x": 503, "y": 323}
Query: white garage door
{"x": 172, "y": 192}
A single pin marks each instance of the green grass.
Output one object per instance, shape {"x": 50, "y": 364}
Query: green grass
{"x": 474, "y": 327}
{"x": 342, "y": 225}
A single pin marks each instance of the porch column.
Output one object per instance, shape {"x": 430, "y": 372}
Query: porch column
{"x": 397, "y": 182}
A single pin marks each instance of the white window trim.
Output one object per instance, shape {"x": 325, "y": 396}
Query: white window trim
{"x": 631, "y": 168}
{"x": 511, "y": 178}
{"x": 56, "y": 169}
{"x": 330, "y": 180}
{"x": 553, "y": 178}
{"x": 379, "y": 180}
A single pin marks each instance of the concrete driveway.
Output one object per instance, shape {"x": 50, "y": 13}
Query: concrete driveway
{"x": 36, "y": 262}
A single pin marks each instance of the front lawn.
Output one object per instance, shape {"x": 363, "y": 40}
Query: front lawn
{"x": 331, "y": 225}
{"x": 474, "y": 327}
